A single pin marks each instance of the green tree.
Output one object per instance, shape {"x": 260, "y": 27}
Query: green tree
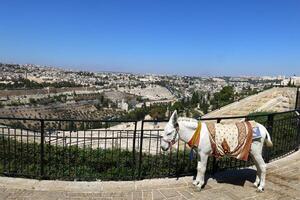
{"x": 177, "y": 106}
{"x": 32, "y": 101}
{"x": 224, "y": 97}
{"x": 204, "y": 106}
{"x": 158, "y": 112}
{"x": 195, "y": 98}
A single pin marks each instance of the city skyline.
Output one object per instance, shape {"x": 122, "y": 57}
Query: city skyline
{"x": 257, "y": 38}
{"x": 74, "y": 70}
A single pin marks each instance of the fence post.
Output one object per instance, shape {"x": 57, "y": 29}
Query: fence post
{"x": 141, "y": 150}
{"x": 42, "y": 148}
{"x": 298, "y": 131}
{"x": 270, "y": 124}
{"x": 133, "y": 150}
{"x": 297, "y": 100}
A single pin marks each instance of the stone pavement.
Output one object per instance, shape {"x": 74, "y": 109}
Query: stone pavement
{"x": 283, "y": 182}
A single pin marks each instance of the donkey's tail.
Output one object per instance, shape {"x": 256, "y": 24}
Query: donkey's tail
{"x": 268, "y": 140}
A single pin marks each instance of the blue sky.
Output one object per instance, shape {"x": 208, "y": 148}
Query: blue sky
{"x": 225, "y": 37}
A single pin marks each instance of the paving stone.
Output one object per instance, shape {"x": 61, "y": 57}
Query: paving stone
{"x": 176, "y": 198}
{"x": 3, "y": 195}
{"x": 137, "y": 195}
{"x": 147, "y": 195}
{"x": 157, "y": 195}
{"x": 151, "y": 187}
{"x": 168, "y": 193}
{"x": 185, "y": 193}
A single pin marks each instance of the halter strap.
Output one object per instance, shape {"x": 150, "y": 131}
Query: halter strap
{"x": 173, "y": 141}
{"x": 194, "y": 141}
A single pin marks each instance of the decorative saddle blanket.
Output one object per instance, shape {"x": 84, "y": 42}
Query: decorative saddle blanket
{"x": 232, "y": 140}
{"x": 256, "y": 133}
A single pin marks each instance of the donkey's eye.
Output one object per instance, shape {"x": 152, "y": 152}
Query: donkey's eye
{"x": 169, "y": 133}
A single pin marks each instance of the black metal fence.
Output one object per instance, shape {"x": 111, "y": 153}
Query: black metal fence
{"x": 118, "y": 150}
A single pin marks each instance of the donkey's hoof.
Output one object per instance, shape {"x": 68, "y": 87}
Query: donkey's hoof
{"x": 195, "y": 182}
{"x": 260, "y": 189}
{"x": 198, "y": 188}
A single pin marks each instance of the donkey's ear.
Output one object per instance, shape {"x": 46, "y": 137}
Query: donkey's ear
{"x": 174, "y": 118}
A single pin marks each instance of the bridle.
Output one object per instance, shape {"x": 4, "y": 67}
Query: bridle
{"x": 173, "y": 141}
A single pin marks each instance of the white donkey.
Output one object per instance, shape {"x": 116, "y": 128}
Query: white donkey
{"x": 184, "y": 128}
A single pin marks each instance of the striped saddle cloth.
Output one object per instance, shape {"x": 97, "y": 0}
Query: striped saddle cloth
{"x": 232, "y": 140}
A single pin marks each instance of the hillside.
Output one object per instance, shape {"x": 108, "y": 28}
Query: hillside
{"x": 272, "y": 100}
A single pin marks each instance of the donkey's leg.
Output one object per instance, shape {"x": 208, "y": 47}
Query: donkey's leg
{"x": 256, "y": 151}
{"x": 197, "y": 180}
{"x": 201, "y": 168}
{"x": 262, "y": 166}
{"x": 258, "y": 172}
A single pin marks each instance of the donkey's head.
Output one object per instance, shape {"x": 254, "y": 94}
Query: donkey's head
{"x": 170, "y": 135}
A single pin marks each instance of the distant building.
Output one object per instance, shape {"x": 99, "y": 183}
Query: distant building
{"x": 294, "y": 80}
{"x": 148, "y": 117}
{"x": 123, "y": 105}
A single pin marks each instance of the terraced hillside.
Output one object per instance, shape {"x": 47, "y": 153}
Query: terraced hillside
{"x": 82, "y": 111}
{"x": 272, "y": 100}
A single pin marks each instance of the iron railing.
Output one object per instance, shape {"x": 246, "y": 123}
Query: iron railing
{"x": 118, "y": 150}
{"x": 297, "y": 104}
